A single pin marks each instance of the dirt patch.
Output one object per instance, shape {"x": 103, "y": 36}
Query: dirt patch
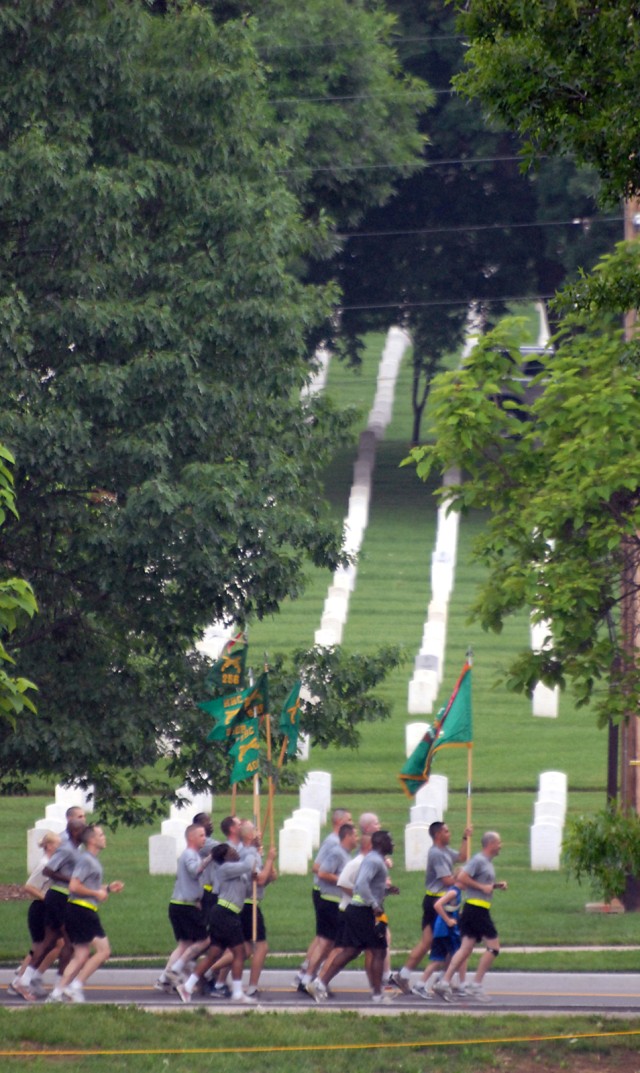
{"x": 527, "y": 1061}
{"x": 12, "y": 892}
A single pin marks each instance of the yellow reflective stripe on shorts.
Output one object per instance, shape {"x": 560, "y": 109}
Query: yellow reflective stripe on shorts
{"x": 434, "y": 893}
{"x": 85, "y": 905}
{"x": 174, "y": 902}
{"x": 331, "y": 897}
{"x": 477, "y": 901}
{"x": 59, "y": 889}
{"x": 229, "y": 905}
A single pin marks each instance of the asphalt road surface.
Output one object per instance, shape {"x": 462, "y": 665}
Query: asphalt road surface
{"x": 513, "y": 992}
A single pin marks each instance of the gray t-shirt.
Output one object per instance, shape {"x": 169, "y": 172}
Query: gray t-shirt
{"x": 88, "y": 871}
{"x": 440, "y": 862}
{"x": 188, "y": 886}
{"x": 481, "y": 869}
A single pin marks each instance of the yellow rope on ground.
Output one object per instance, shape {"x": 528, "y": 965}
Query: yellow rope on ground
{"x": 317, "y": 1047}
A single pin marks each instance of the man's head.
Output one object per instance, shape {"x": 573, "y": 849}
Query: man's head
{"x": 338, "y": 817}
{"x": 224, "y": 852}
{"x": 230, "y": 827}
{"x": 491, "y": 844}
{"x": 348, "y": 837}
{"x": 203, "y": 819}
{"x": 195, "y": 836}
{"x": 75, "y": 813}
{"x": 93, "y": 838}
{"x": 440, "y": 833}
{"x": 248, "y": 833}
{"x": 382, "y": 843}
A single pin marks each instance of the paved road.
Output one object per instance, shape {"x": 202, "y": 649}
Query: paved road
{"x": 515, "y": 992}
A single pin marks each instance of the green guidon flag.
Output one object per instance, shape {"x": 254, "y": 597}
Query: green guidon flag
{"x": 245, "y": 750}
{"x": 290, "y": 719}
{"x": 453, "y": 726}
{"x": 227, "y": 675}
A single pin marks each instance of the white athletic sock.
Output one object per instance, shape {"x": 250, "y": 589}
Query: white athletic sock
{"x": 192, "y": 983}
{"x": 405, "y": 973}
{"x": 27, "y": 976}
{"x": 236, "y": 988}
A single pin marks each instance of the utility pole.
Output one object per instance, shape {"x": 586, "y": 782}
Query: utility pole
{"x": 630, "y": 604}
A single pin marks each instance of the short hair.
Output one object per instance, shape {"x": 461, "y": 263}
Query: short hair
{"x": 435, "y": 828}
{"x": 71, "y": 811}
{"x": 367, "y": 821}
{"x": 220, "y": 852}
{"x": 346, "y": 829}
{"x": 246, "y": 826}
{"x": 201, "y": 819}
{"x": 488, "y": 837}
{"x": 382, "y": 842}
{"x": 339, "y": 814}
{"x": 88, "y": 833}
{"x": 227, "y": 824}
{"x": 191, "y": 829}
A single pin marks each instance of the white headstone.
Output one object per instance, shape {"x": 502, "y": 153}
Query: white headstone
{"x": 440, "y": 785}
{"x": 34, "y": 851}
{"x": 544, "y": 810}
{"x": 546, "y": 847}
{"x": 70, "y": 794}
{"x": 56, "y": 812}
{"x": 191, "y": 805}
{"x": 417, "y": 844}
{"x": 431, "y": 796}
{"x": 294, "y": 850}
{"x": 313, "y": 820}
{"x": 554, "y": 781}
{"x": 314, "y": 795}
{"x": 175, "y": 829}
{"x": 424, "y": 814}
{"x": 544, "y": 701}
{"x": 413, "y": 735}
{"x": 422, "y": 694}
{"x": 50, "y": 823}
{"x": 164, "y": 851}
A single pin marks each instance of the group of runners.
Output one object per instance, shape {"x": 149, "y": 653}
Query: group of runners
{"x": 67, "y": 890}
{"x": 216, "y": 914}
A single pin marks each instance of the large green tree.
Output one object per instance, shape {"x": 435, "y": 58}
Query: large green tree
{"x": 152, "y": 355}
{"x": 564, "y": 75}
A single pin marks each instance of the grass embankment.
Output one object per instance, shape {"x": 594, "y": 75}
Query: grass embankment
{"x": 189, "y": 1042}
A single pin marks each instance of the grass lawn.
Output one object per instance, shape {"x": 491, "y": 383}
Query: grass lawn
{"x": 191, "y": 1042}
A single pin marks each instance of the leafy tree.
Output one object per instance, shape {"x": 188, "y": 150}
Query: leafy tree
{"x": 17, "y": 605}
{"x": 154, "y": 343}
{"x": 153, "y": 352}
{"x": 564, "y": 76}
{"x": 560, "y": 477}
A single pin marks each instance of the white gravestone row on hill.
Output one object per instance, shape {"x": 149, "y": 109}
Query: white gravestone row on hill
{"x": 336, "y": 606}
{"x": 548, "y": 822}
{"x": 429, "y": 663}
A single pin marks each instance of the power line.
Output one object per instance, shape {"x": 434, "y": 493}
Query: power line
{"x": 401, "y": 304}
{"x": 330, "y": 99}
{"x": 464, "y": 161}
{"x": 588, "y": 221}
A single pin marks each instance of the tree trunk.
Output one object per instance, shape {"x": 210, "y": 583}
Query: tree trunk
{"x": 631, "y": 897}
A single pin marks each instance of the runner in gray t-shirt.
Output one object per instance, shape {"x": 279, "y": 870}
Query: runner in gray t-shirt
{"x": 439, "y": 876}
{"x": 476, "y": 925}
